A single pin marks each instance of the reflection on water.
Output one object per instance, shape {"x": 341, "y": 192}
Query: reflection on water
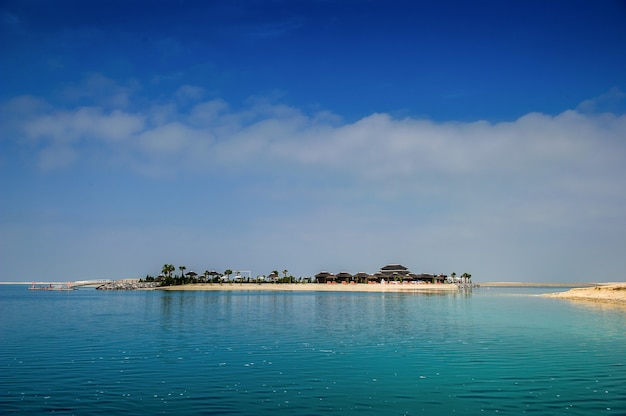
{"x": 309, "y": 353}
{"x": 597, "y": 305}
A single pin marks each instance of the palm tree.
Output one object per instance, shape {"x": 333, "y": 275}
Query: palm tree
{"x": 466, "y": 277}
{"x": 228, "y": 272}
{"x": 167, "y": 271}
{"x": 453, "y": 276}
{"x": 182, "y": 274}
{"x": 206, "y": 276}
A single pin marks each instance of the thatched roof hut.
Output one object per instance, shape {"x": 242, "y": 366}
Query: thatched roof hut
{"x": 361, "y": 277}
{"x": 343, "y": 277}
{"x": 323, "y": 277}
{"x": 431, "y": 278}
{"x": 394, "y": 272}
{"x": 394, "y": 268}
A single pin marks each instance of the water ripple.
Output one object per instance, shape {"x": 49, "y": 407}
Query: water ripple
{"x": 307, "y": 354}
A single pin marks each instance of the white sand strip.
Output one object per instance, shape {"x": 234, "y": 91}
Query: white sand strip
{"x": 318, "y": 287}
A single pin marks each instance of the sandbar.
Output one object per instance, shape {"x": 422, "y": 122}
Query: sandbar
{"x": 614, "y": 292}
{"x": 536, "y": 284}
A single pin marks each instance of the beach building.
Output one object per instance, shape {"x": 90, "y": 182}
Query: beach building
{"x": 387, "y": 273}
{"x": 343, "y": 277}
{"x": 395, "y": 272}
{"x": 361, "y": 277}
{"x": 324, "y": 277}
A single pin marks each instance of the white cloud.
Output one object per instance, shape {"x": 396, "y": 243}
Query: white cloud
{"x": 376, "y": 147}
{"x": 60, "y": 135}
{"x": 166, "y": 139}
{"x": 101, "y": 90}
{"x": 479, "y": 183}
{"x": 207, "y": 113}
{"x": 84, "y": 123}
{"x": 174, "y": 139}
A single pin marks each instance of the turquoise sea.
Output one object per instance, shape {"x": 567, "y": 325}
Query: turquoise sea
{"x": 493, "y": 351}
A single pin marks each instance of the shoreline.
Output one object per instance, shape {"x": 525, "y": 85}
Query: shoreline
{"x": 313, "y": 287}
{"x": 539, "y": 284}
{"x": 482, "y": 284}
{"x": 610, "y": 293}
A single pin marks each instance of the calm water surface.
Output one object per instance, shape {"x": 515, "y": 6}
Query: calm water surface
{"x": 493, "y": 351}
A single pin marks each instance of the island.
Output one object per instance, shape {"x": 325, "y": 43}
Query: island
{"x": 390, "y": 278}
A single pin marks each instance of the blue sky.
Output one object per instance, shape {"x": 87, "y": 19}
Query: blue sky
{"x": 480, "y": 137}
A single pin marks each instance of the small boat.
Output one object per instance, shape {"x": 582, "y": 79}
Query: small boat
{"x": 51, "y": 286}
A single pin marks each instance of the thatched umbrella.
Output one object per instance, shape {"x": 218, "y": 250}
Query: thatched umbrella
{"x": 191, "y": 274}
{"x": 213, "y": 273}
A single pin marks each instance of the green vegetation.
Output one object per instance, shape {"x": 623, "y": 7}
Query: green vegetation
{"x": 169, "y": 278}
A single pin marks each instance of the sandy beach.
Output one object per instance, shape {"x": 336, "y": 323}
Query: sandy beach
{"x": 318, "y": 287}
{"x": 614, "y": 292}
